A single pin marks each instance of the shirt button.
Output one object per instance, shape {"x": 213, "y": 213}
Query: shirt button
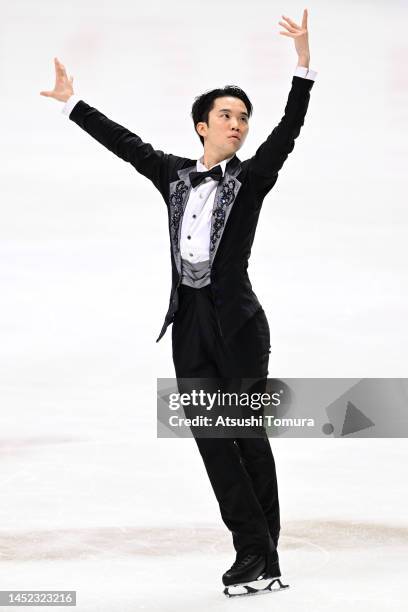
{"x": 194, "y": 216}
{"x": 189, "y": 237}
{"x": 200, "y": 195}
{"x": 191, "y": 254}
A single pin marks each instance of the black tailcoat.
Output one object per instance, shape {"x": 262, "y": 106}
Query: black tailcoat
{"x": 237, "y": 203}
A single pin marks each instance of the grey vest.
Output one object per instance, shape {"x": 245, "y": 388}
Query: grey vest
{"x": 195, "y": 275}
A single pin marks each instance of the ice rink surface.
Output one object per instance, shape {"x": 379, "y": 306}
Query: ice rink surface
{"x": 93, "y": 503}
{"x": 91, "y": 500}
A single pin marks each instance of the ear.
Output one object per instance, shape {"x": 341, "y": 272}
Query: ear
{"x": 202, "y": 128}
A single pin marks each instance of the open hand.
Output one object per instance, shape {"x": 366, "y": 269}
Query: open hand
{"x": 63, "y": 85}
{"x": 299, "y": 33}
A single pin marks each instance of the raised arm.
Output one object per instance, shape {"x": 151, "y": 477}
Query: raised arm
{"x": 272, "y": 154}
{"x": 125, "y": 144}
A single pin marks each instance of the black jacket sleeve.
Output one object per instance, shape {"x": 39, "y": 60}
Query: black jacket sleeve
{"x": 272, "y": 154}
{"x": 152, "y": 163}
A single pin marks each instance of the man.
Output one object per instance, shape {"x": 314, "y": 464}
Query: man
{"x": 219, "y": 327}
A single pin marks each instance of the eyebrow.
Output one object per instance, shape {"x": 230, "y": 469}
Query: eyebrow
{"x": 220, "y": 110}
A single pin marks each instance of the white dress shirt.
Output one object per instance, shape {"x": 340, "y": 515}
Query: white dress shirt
{"x": 196, "y": 223}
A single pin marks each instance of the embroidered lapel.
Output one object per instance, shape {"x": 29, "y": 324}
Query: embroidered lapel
{"x": 178, "y": 196}
{"x": 225, "y": 197}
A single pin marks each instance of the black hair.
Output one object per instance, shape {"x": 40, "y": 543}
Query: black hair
{"x": 204, "y": 104}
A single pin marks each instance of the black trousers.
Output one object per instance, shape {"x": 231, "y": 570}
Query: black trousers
{"x": 241, "y": 470}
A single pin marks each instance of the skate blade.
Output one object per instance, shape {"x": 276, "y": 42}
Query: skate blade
{"x": 271, "y": 586}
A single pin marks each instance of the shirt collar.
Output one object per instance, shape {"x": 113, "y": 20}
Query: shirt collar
{"x": 223, "y": 163}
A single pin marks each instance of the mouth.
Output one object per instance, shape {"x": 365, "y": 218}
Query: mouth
{"x": 235, "y": 137}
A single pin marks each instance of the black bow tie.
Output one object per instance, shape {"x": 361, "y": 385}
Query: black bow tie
{"x": 197, "y": 177}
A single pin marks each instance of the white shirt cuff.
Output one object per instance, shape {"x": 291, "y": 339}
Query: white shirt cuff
{"x": 305, "y": 73}
{"x": 69, "y": 104}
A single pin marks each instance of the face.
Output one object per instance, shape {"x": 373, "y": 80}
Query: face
{"x": 227, "y": 126}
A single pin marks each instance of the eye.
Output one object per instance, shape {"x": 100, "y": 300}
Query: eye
{"x": 244, "y": 119}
